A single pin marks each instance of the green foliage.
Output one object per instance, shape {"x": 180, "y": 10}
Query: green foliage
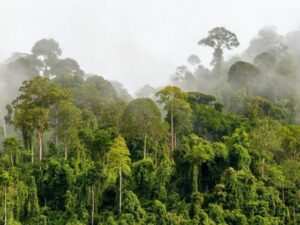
{"x": 143, "y": 175}
{"x": 238, "y": 145}
{"x": 179, "y": 112}
{"x": 258, "y": 107}
{"x": 198, "y": 151}
{"x": 141, "y": 120}
{"x": 118, "y": 156}
{"x": 132, "y": 205}
{"x": 160, "y": 213}
{"x": 235, "y": 217}
{"x": 242, "y": 75}
{"x": 12, "y": 147}
{"x": 217, "y": 214}
{"x": 57, "y": 179}
{"x": 213, "y": 124}
{"x": 202, "y": 164}
{"x": 46, "y": 51}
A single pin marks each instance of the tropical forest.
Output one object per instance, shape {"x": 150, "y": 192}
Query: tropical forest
{"x": 217, "y": 145}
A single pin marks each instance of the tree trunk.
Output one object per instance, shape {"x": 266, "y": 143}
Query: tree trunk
{"x": 40, "y": 136}
{"x": 32, "y": 151}
{"x": 56, "y": 140}
{"x": 56, "y": 123}
{"x": 175, "y": 140}
{"x": 155, "y": 155}
{"x": 120, "y": 194}
{"x": 263, "y": 167}
{"x": 11, "y": 157}
{"x": 294, "y": 214}
{"x": 66, "y": 153}
{"x": 93, "y": 204}
{"x": 282, "y": 195}
{"x": 218, "y": 55}
{"x": 4, "y": 127}
{"x": 172, "y": 132}
{"x": 56, "y": 137}
{"x": 5, "y": 205}
{"x": 195, "y": 177}
{"x": 145, "y": 145}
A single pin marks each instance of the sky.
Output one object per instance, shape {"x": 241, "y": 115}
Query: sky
{"x": 137, "y": 42}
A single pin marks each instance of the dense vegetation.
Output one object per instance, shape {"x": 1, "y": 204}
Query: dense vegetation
{"x": 77, "y": 149}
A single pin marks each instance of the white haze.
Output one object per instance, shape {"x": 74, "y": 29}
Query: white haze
{"x": 136, "y": 42}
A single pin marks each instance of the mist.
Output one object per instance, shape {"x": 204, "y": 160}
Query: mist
{"x": 136, "y": 42}
{"x": 149, "y": 112}
{"x": 139, "y": 45}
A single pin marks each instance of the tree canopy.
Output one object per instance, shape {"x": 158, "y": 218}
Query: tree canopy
{"x": 77, "y": 149}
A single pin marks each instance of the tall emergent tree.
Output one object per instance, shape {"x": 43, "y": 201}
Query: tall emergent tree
{"x": 179, "y": 111}
{"x": 67, "y": 124}
{"x": 141, "y": 119}
{"x": 265, "y": 141}
{"x": 36, "y": 103}
{"x": 219, "y": 39}
{"x": 119, "y": 162}
{"x": 47, "y": 52}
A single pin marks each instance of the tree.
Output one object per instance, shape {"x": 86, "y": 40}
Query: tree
{"x": 243, "y": 76}
{"x": 111, "y": 113}
{"x": 184, "y": 77}
{"x": 68, "y": 73}
{"x": 95, "y": 178}
{"x": 143, "y": 174}
{"x": 265, "y": 141}
{"x": 179, "y": 111}
{"x": 67, "y": 66}
{"x": 47, "y": 52}
{"x": 118, "y": 162}
{"x": 258, "y": 107}
{"x": 141, "y": 119}
{"x": 3, "y": 128}
{"x": 92, "y": 93}
{"x": 290, "y": 143}
{"x": 132, "y": 206}
{"x": 198, "y": 151}
{"x": 195, "y": 98}
{"x": 22, "y": 119}
{"x": 12, "y": 147}
{"x": 194, "y": 60}
{"x": 67, "y": 123}
{"x": 224, "y": 168}
{"x": 5, "y": 182}
{"x": 35, "y": 104}
{"x": 219, "y": 39}
{"x": 160, "y": 213}
{"x": 217, "y": 213}
{"x": 57, "y": 180}
{"x": 238, "y": 144}
{"x": 181, "y": 73}
{"x": 121, "y": 90}
{"x": 265, "y": 62}
{"x": 146, "y": 92}
{"x": 32, "y": 208}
